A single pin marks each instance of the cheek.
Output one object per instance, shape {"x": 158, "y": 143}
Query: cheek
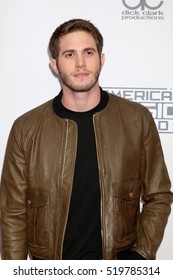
{"x": 96, "y": 63}
{"x": 66, "y": 67}
{"x": 96, "y": 66}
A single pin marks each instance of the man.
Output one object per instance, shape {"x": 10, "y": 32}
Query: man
{"x": 77, "y": 167}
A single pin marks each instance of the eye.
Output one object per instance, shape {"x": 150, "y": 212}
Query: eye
{"x": 70, "y": 55}
{"x": 89, "y": 53}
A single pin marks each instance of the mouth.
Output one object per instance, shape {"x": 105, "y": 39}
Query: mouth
{"x": 81, "y": 75}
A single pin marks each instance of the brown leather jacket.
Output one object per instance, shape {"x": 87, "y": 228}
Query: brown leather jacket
{"x": 38, "y": 172}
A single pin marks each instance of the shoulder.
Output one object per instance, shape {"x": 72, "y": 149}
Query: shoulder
{"x": 35, "y": 112}
{"x": 128, "y": 108}
{"x": 34, "y": 118}
{"x": 129, "y": 112}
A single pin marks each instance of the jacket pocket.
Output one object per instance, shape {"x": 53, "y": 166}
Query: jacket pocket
{"x": 127, "y": 208}
{"x": 37, "y": 217}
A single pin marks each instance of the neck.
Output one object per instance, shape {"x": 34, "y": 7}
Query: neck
{"x": 81, "y": 101}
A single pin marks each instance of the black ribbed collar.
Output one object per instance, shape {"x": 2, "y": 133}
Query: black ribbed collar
{"x": 63, "y": 112}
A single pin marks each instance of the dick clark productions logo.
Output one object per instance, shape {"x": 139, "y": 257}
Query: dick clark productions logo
{"x": 142, "y": 10}
{"x": 142, "y": 4}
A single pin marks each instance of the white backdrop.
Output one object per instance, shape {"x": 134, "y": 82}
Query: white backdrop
{"x": 138, "y": 48}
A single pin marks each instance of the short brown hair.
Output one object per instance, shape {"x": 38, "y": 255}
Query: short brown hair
{"x": 72, "y": 26}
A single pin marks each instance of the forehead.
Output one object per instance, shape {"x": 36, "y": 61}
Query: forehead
{"x": 77, "y": 40}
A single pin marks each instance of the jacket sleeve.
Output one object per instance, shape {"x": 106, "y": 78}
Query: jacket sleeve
{"x": 157, "y": 197}
{"x": 12, "y": 201}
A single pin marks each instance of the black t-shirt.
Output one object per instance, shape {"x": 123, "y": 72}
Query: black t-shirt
{"x": 83, "y": 231}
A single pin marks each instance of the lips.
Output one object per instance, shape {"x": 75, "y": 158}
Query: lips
{"x": 81, "y": 75}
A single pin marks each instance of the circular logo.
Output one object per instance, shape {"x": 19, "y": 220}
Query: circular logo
{"x": 143, "y": 4}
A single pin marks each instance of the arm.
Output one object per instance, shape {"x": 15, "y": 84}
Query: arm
{"x": 12, "y": 201}
{"x": 157, "y": 196}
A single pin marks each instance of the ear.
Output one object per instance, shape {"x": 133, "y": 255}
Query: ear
{"x": 102, "y": 59}
{"x": 54, "y": 66}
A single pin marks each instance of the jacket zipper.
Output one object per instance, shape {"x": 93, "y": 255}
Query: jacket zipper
{"x": 63, "y": 235}
{"x": 101, "y": 190}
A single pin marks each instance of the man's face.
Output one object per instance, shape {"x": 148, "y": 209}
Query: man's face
{"x": 78, "y": 63}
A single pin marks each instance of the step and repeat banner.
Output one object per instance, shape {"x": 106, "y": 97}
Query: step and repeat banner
{"x": 138, "y": 46}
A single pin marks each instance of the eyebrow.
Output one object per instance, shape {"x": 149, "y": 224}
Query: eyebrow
{"x": 84, "y": 50}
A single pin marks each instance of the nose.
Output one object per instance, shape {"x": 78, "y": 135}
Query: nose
{"x": 80, "y": 61}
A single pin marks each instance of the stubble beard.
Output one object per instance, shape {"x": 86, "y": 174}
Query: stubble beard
{"x": 80, "y": 86}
